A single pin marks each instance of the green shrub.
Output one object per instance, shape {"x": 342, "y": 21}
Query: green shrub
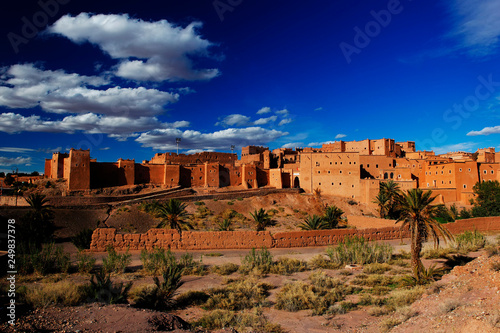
{"x": 191, "y": 267}
{"x": 224, "y": 269}
{"x": 199, "y": 203}
{"x": 156, "y": 261}
{"x": 492, "y": 250}
{"x": 296, "y": 296}
{"x": 225, "y": 225}
{"x": 83, "y": 239}
{"x": 470, "y": 241}
{"x": 437, "y": 253}
{"x": 102, "y": 289}
{"x": 63, "y": 293}
{"x": 287, "y": 266}
{"x": 115, "y": 262}
{"x": 320, "y": 280}
{"x": 403, "y": 297}
{"x": 238, "y": 295}
{"x": 84, "y": 262}
{"x": 191, "y": 298}
{"x": 373, "y": 280}
{"x": 161, "y": 295}
{"x": 257, "y": 261}
{"x": 319, "y": 261}
{"x": 49, "y": 259}
{"x": 356, "y": 250}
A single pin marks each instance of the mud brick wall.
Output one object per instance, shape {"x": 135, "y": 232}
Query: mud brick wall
{"x": 212, "y": 240}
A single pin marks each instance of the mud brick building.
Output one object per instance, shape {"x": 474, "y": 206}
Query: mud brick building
{"x": 352, "y": 169}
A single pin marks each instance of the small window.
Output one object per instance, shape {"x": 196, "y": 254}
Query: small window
{"x": 354, "y": 163}
{"x": 328, "y": 171}
{"x": 349, "y": 162}
{"x": 485, "y": 172}
{"x": 427, "y": 184}
{"x": 352, "y": 185}
{"x": 317, "y": 164}
{"x": 469, "y": 169}
{"x": 449, "y": 171}
{"x": 330, "y": 163}
{"x": 368, "y": 165}
{"x": 340, "y": 183}
{"x": 319, "y": 171}
{"x": 340, "y": 171}
{"x": 319, "y": 184}
{"x": 442, "y": 172}
{"x": 332, "y": 183}
{"x": 465, "y": 186}
{"x": 460, "y": 169}
{"x": 340, "y": 162}
{"x": 376, "y": 165}
{"x": 450, "y": 181}
{"x": 492, "y": 172}
{"x": 171, "y": 179}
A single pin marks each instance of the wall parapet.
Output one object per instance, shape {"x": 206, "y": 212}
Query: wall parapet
{"x": 218, "y": 240}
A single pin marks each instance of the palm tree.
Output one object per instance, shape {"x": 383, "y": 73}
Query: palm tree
{"x": 383, "y": 204}
{"x": 314, "y": 222}
{"x": 172, "y": 214}
{"x": 41, "y": 211}
{"x": 332, "y": 216}
{"x": 262, "y": 218}
{"x": 392, "y": 192}
{"x": 418, "y": 214}
{"x": 225, "y": 225}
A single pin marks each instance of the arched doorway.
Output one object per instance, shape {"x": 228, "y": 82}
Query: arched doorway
{"x": 296, "y": 182}
{"x": 386, "y": 175}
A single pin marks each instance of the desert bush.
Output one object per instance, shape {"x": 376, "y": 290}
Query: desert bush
{"x": 84, "y": 262}
{"x": 319, "y": 261}
{"x": 296, "y": 296}
{"x": 191, "y": 267}
{"x": 320, "y": 280}
{"x": 149, "y": 207}
{"x": 48, "y": 259}
{"x": 102, "y": 289}
{"x": 373, "y": 280}
{"x": 238, "y": 295}
{"x": 287, "y": 266}
{"x": 438, "y": 253}
{"x": 402, "y": 297}
{"x": 63, "y": 293}
{"x": 259, "y": 262}
{"x": 156, "y": 261}
{"x": 160, "y": 296}
{"x": 356, "y": 250}
{"x": 202, "y": 212}
{"x": 376, "y": 268}
{"x": 380, "y": 290}
{"x": 378, "y": 311}
{"x": 114, "y": 262}
{"x": 224, "y": 269}
{"x": 199, "y": 203}
{"x": 225, "y": 225}
{"x": 190, "y": 298}
{"x": 388, "y": 323}
{"x": 470, "y": 241}
{"x": 242, "y": 321}
{"x": 83, "y": 239}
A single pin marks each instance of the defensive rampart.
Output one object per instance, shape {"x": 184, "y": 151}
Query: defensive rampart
{"x": 211, "y": 240}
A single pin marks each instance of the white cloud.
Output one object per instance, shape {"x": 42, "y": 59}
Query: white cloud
{"x": 194, "y": 151}
{"x": 477, "y": 24}
{"x": 25, "y": 86}
{"x": 319, "y": 109}
{"x": 16, "y": 150}
{"x": 5, "y": 161}
{"x": 485, "y": 131}
{"x": 234, "y": 120}
{"x": 285, "y": 121}
{"x": 340, "y": 136}
{"x": 317, "y": 144}
{"x": 164, "y": 139}
{"x": 263, "y": 121}
{"x": 292, "y": 145}
{"x": 283, "y": 112}
{"x": 464, "y": 146}
{"x": 264, "y": 110}
{"x": 89, "y": 123}
{"x": 147, "y": 51}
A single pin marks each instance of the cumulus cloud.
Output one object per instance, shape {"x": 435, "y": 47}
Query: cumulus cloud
{"x": 317, "y": 144}
{"x": 319, "y": 109}
{"x": 15, "y": 161}
{"x": 264, "y": 110}
{"x": 464, "y": 146}
{"x": 264, "y": 121}
{"x": 292, "y": 145}
{"x": 89, "y": 123}
{"x": 340, "y": 136}
{"x": 25, "y": 86}
{"x": 477, "y": 24}
{"x": 283, "y": 112}
{"x": 234, "y": 120}
{"x": 164, "y": 139}
{"x": 485, "y": 131}
{"x": 146, "y": 51}
{"x": 285, "y": 121}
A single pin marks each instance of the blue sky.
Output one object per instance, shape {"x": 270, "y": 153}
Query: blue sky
{"x": 125, "y": 78}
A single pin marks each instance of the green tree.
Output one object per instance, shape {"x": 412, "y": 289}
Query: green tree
{"x": 392, "y": 191}
{"x": 314, "y": 222}
{"x": 261, "y": 218}
{"x": 9, "y": 180}
{"x": 418, "y": 214}
{"x": 383, "y": 204}
{"x": 173, "y": 214}
{"x": 487, "y": 201}
{"x": 332, "y": 216}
